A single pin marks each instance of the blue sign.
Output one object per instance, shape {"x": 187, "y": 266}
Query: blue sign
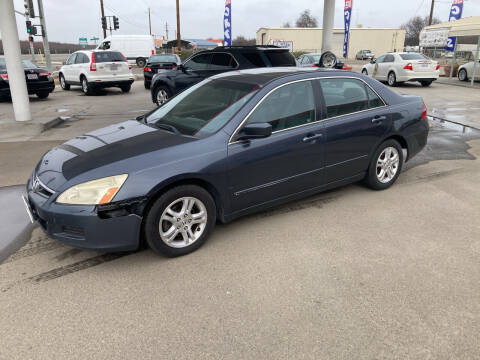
{"x": 227, "y": 23}
{"x": 451, "y": 41}
{"x": 348, "y": 16}
{"x": 456, "y": 10}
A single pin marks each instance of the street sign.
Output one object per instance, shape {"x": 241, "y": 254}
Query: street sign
{"x": 83, "y": 41}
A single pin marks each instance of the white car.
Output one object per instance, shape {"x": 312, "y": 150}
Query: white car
{"x": 96, "y": 69}
{"x": 399, "y": 67}
{"x": 465, "y": 71}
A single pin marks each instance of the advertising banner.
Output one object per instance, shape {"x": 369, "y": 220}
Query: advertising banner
{"x": 227, "y": 24}
{"x": 456, "y": 10}
{"x": 348, "y": 16}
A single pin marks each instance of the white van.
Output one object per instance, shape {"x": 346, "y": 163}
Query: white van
{"x": 136, "y": 48}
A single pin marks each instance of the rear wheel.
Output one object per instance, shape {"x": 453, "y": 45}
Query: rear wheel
{"x": 126, "y": 88}
{"x": 162, "y": 94}
{"x": 180, "y": 221}
{"x": 146, "y": 84}
{"x": 385, "y": 165}
{"x": 426, "y": 83}
{"x": 462, "y": 75}
{"x": 43, "y": 94}
{"x": 392, "y": 79}
{"x": 63, "y": 83}
{"x": 86, "y": 87}
{"x": 141, "y": 62}
{"x": 365, "y": 72}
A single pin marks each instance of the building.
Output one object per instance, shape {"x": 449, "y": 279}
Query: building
{"x": 379, "y": 41}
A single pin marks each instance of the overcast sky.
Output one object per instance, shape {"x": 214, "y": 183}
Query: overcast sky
{"x": 67, "y": 20}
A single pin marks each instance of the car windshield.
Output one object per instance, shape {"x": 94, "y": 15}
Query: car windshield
{"x": 162, "y": 58}
{"x": 108, "y": 56}
{"x": 412, "y": 56}
{"x": 204, "y": 108}
{"x": 26, "y": 64}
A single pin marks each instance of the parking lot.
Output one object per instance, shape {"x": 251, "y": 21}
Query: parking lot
{"x": 350, "y": 273}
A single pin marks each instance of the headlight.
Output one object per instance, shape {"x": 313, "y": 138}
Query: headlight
{"x": 100, "y": 191}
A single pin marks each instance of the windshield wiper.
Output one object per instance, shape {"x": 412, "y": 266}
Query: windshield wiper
{"x": 168, "y": 127}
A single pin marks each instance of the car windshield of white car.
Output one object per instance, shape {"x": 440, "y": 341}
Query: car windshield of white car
{"x": 412, "y": 56}
{"x": 204, "y": 108}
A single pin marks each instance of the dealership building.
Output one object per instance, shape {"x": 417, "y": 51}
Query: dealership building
{"x": 379, "y": 41}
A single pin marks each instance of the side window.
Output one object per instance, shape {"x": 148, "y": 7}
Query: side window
{"x": 301, "y": 59}
{"x": 255, "y": 59}
{"x": 71, "y": 59}
{"x": 381, "y": 59}
{"x": 222, "y": 61}
{"x": 373, "y": 99}
{"x": 344, "y": 96}
{"x": 79, "y": 58}
{"x": 288, "y": 106}
{"x": 389, "y": 59}
{"x": 199, "y": 62}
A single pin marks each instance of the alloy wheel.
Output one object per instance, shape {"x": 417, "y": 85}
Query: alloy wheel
{"x": 62, "y": 82}
{"x": 84, "y": 85}
{"x": 387, "y": 164}
{"x": 183, "y": 222}
{"x": 391, "y": 79}
{"x": 162, "y": 96}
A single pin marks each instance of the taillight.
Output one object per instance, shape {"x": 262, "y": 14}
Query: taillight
{"x": 409, "y": 66}
{"x": 174, "y": 67}
{"x": 314, "y": 65}
{"x": 93, "y": 65}
{"x": 147, "y": 69}
{"x": 438, "y": 67}
{"x": 424, "y": 112}
{"x": 153, "y": 52}
{"x": 4, "y": 76}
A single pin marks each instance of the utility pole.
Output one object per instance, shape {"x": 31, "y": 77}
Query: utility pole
{"x": 149, "y": 21}
{"x": 13, "y": 60}
{"x": 46, "y": 47}
{"x": 103, "y": 15}
{"x": 179, "y": 42}
{"x": 166, "y": 30}
{"x": 29, "y": 11}
{"x": 431, "y": 13}
{"x": 327, "y": 31}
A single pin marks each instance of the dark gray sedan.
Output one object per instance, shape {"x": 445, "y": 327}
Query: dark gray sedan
{"x": 228, "y": 146}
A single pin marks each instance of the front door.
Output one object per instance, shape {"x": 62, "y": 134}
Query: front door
{"x": 67, "y": 68}
{"x": 195, "y": 70}
{"x": 356, "y": 121}
{"x": 287, "y": 162}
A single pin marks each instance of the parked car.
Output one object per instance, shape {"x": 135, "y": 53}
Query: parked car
{"x": 395, "y": 68}
{"x": 231, "y": 145}
{"x": 96, "y": 69}
{"x": 315, "y": 60}
{"x": 364, "y": 55}
{"x": 204, "y": 64}
{"x": 159, "y": 63}
{"x": 136, "y": 48}
{"x": 465, "y": 72}
{"x": 39, "y": 81}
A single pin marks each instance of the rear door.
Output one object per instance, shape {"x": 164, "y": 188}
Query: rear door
{"x": 68, "y": 67}
{"x": 356, "y": 120}
{"x": 110, "y": 65}
{"x": 222, "y": 62}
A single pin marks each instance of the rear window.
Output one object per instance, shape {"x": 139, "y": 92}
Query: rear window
{"x": 163, "y": 58}
{"x": 26, "y": 64}
{"x": 412, "y": 56}
{"x": 108, "y": 56}
{"x": 255, "y": 59}
{"x": 280, "y": 58}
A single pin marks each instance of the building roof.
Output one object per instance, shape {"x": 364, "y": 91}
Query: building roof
{"x": 469, "y": 26}
{"x": 202, "y": 43}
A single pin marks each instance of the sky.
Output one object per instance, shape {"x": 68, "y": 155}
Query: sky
{"x": 67, "y": 20}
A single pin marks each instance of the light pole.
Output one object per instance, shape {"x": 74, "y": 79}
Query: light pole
{"x": 179, "y": 41}
{"x": 327, "y": 31}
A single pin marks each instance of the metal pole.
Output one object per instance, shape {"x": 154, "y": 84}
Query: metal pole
{"x": 149, "y": 21}
{"x": 328, "y": 17}
{"x": 179, "y": 42}
{"x": 30, "y": 43}
{"x": 431, "y": 13}
{"x": 454, "y": 60}
{"x": 103, "y": 15}
{"x": 46, "y": 47}
{"x": 13, "y": 60}
{"x": 475, "y": 61}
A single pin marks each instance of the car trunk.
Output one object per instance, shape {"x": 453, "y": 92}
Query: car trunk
{"x": 423, "y": 65}
{"x": 111, "y": 63}
{"x": 157, "y": 67}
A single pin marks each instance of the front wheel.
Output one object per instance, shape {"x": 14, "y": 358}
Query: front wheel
{"x": 365, "y": 72}
{"x": 126, "y": 88}
{"x": 385, "y": 165}
{"x": 462, "y": 75}
{"x": 392, "y": 79}
{"x": 43, "y": 94}
{"x": 180, "y": 221}
{"x": 162, "y": 94}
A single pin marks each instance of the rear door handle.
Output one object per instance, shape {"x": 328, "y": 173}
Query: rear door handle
{"x": 312, "y": 137}
{"x": 378, "y": 119}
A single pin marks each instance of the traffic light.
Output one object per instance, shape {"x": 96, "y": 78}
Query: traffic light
{"x": 29, "y": 26}
{"x": 29, "y": 9}
{"x": 30, "y": 38}
{"x": 104, "y": 23}
{"x": 116, "y": 25}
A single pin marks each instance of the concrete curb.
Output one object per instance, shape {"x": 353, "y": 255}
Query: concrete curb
{"x": 13, "y": 129}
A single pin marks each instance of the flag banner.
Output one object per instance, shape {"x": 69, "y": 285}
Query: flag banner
{"x": 348, "y": 16}
{"x": 227, "y": 24}
{"x": 456, "y": 10}
{"x": 451, "y": 41}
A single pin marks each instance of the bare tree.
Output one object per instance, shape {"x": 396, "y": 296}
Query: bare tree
{"x": 286, "y": 25}
{"x": 306, "y": 20}
{"x": 413, "y": 27}
{"x": 242, "y": 41}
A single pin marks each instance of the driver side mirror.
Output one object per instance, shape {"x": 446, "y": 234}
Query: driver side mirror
{"x": 373, "y": 61}
{"x": 255, "y": 131}
{"x": 182, "y": 68}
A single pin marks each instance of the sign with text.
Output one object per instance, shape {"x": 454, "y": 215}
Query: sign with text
{"x": 456, "y": 10}
{"x": 348, "y": 17}
{"x": 227, "y": 23}
{"x": 451, "y": 41}
{"x": 283, "y": 44}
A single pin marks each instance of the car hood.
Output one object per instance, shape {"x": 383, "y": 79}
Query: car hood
{"x": 100, "y": 148}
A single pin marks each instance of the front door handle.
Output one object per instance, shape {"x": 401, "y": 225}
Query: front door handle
{"x": 311, "y": 137}
{"x": 378, "y": 119}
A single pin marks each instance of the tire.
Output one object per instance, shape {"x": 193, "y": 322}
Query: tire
{"x": 141, "y": 62}
{"x": 43, "y": 94}
{"x": 183, "y": 229}
{"x": 365, "y": 72}
{"x": 146, "y": 84}
{"x": 162, "y": 94}
{"x": 126, "y": 88}
{"x": 63, "y": 83}
{"x": 462, "y": 75}
{"x": 86, "y": 87}
{"x": 381, "y": 175}
{"x": 392, "y": 79}
{"x": 328, "y": 60}
{"x": 426, "y": 83}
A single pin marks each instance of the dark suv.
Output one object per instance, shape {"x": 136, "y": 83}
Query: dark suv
{"x": 204, "y": 64}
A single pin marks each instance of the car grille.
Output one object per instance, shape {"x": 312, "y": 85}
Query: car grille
{"x": 38, "y": 187}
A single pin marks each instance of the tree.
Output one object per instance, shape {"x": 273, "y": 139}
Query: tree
{"x": 306, "y": 20}
{"x": 413, "y": 27}
{"x": 286, "y": 25}
{"x": 242, "y": 41}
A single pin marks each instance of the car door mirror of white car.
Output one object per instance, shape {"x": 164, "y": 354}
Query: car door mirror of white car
{"x": 373, "y": 61}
